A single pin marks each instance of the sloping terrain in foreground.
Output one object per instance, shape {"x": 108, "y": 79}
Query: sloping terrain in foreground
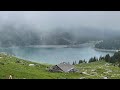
{"x": 20, "y": 69}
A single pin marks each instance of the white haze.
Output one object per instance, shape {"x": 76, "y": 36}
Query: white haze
{"x": 48, "y": 20}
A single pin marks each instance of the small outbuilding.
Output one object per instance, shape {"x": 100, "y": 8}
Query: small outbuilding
{"x": 63, "y": 67}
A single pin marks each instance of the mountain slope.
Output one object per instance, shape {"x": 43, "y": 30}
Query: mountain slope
{"x": 20, "y": 69}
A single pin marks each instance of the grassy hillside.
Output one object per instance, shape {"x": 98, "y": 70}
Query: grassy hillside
{"x": 99, "y": 69}
{"x": 20, "y": 69}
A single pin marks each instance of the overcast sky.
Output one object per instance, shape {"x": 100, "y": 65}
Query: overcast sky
{"x": 51, "y": 19}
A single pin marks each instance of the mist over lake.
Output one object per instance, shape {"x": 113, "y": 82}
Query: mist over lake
{"x": 40, "y": 36}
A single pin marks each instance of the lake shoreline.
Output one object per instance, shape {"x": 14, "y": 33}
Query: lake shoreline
{"x": 44, "y": 54}
{"x": 106, "y": 50}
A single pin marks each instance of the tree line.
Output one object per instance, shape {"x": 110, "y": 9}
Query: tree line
{"x": 109, "y": 44}
{"x": 115, "y": 59}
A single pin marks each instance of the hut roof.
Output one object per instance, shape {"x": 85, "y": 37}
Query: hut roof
{"x": 66, "y": 67}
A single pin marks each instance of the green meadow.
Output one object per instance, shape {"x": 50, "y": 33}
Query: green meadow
{"x": 20, "y": 69}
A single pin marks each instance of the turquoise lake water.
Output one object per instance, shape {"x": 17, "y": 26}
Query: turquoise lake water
{"x": 54, "y": 54}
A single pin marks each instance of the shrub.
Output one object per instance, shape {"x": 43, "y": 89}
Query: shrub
{"x": 1, "y": 63}
{"x": 18, "y": 61}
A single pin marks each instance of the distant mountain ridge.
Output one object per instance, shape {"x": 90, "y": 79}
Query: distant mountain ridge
{"x": 23, "y": 36}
